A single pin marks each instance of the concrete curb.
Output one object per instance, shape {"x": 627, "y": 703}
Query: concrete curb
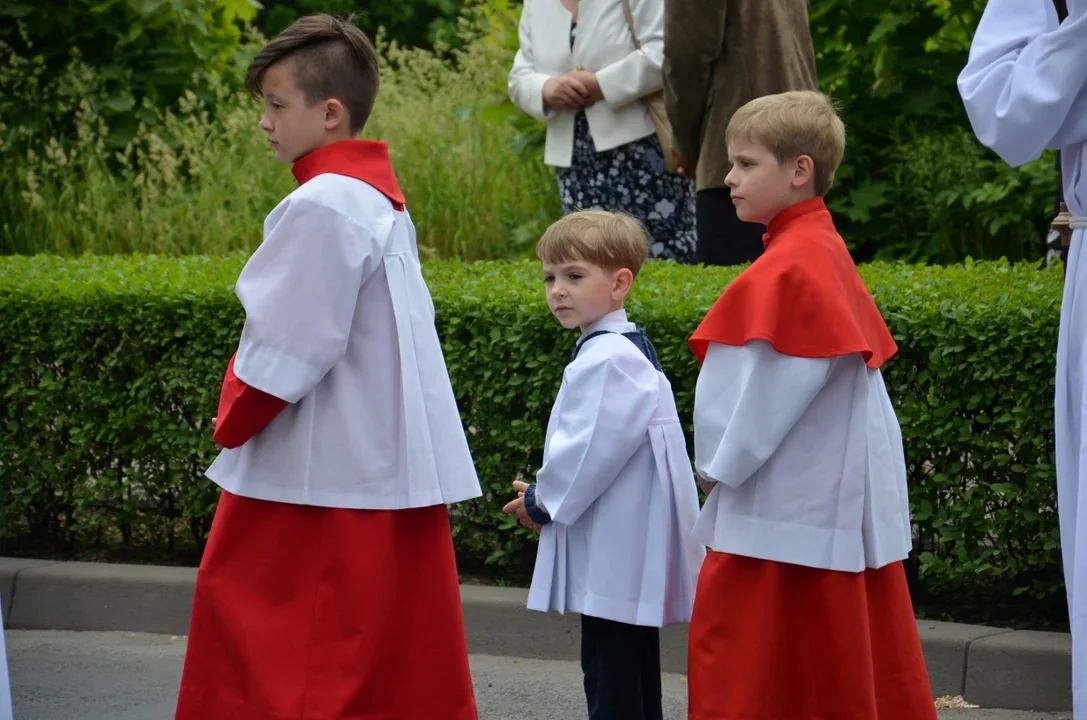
{"x": 990, "y": 667}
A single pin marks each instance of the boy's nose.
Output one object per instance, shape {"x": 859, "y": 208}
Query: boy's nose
{"x": 730, "y": 180}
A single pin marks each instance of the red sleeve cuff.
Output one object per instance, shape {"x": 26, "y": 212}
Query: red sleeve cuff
{"x": 243, "y": 410}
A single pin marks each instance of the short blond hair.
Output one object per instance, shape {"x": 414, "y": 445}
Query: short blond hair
{"x": 606, "y": 239}
{"x": 791, "y": 124}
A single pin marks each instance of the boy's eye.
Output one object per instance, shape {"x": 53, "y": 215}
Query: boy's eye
{"x": 574, "y": 276}
{"x": 548, "y": 279}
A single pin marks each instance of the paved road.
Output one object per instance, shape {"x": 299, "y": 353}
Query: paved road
{"x": 129, "y": 676}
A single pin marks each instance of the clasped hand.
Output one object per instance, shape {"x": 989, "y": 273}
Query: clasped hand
{"x": 575, "y": 89}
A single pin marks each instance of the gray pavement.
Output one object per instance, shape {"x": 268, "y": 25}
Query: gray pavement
{"x": 64, "y": 675}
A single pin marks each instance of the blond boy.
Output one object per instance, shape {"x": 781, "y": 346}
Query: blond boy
{"x": 802, "y": 608}
{"x": 615, "y": 497}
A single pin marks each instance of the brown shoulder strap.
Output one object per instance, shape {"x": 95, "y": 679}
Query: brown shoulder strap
{"x": 630, "y": 23}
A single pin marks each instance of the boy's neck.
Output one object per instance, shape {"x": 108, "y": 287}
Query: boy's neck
{"x": 330, "y": 139}
{"x": 800, "y": 199}
{"x": 615, "y": 308}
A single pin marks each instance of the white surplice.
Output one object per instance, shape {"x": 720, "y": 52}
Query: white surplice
{"x": 1025, "y": 90}
{"x": 5, "y": 682}
{"x": 807, "y": 458}
{"x": 340, "y": 323}
{"x": 617, "y": 482}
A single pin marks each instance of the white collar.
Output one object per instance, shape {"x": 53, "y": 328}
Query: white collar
{"x": 615, "y": 322}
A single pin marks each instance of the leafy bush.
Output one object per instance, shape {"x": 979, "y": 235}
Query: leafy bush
{"x": 915, "y": 184}
{"x": 417, "y": 24}
{"x": 201, "y": 179}
{"x": 144, "y": 55}
{"x": 893, "y": 65}
{"x": 110, "y": 368}
{"x": 960, "y": 200}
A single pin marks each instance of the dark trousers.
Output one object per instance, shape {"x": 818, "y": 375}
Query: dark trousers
{"x": 622, "y": 666}
{"x": 724, "y": 239}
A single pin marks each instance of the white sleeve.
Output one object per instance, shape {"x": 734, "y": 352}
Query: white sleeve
{"x": 601, "y": 419}
{"x": 639, "y": 73}
{"x": 525, "y": 82}
{"x": 299, "y": 291}
{"x": 1023, "y": 77}
{"x": 746, "y": 401}
{"x": 1074, "y": 130}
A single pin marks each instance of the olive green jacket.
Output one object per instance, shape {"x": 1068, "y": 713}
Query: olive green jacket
{"x": 721, "y": 54}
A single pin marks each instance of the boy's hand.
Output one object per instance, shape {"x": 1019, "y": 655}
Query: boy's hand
{"x": 517, "y": 507}
{"x": 214, "y": 423}
{"x": 703, "y": 483}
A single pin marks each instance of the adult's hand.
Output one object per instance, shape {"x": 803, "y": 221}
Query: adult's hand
{"x": 592, "y": 87}
{"x": 564, "y": 91}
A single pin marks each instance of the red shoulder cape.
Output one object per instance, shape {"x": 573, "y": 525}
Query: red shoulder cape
{"x": 804, "y": 296}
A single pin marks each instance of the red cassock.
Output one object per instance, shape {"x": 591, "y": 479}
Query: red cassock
{"x": 318, "y": 613}
{"x": 776, "y": 641}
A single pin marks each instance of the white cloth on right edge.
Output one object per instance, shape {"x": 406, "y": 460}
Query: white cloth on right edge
{"x": 807, "y": 458}
{"x": 1025, "y": 90}
{"x": 5, "y": 682}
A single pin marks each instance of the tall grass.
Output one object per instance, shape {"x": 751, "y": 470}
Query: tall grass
{"x": 199, "y": 178}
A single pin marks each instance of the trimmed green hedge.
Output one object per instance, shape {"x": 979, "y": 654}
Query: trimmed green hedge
{"x": 110, "y": 371}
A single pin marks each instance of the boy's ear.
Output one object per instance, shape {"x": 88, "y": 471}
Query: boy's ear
{"x": 804, "y": 171}
{"x": 335, "y": 114}
{"x": 624, "y": 280}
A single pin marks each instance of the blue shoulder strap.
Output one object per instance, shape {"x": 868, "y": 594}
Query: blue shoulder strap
{"x": 638, "y": 337}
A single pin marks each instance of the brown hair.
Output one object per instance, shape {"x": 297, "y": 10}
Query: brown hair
{"x": 605, "y": 239}
{"x": 330, "y": 58}
{"x": 791, "y": 124}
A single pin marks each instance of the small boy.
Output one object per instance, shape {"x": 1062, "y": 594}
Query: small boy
{"x": 328, "y": 588}
{"x": 802, "y": 608}
{"x": 616, "y": 497}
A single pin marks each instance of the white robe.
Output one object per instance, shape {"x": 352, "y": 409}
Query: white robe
{"x": 617, "y": 482}
{"x": 5, "y": 683}
{"x": 1025, "y": 90}
{"x": 340, "y": 324}
{"x": 807, "y": 458}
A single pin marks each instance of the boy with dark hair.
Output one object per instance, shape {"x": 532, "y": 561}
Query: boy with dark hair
{"x": 329, "y": 588}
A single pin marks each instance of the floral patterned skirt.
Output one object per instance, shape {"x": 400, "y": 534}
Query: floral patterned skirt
{"x": 631, "y": 178}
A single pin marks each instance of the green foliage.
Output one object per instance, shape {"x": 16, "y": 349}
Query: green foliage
{"x": 418, "y": 24}
{"x": 202, "y": 178}
{"x": 143, "y": 55}
{"x": 915, "y": 184}
{"x": 961, "y": 200}
{"x": 110, "y": 368}
{"x": 893, "y": 65}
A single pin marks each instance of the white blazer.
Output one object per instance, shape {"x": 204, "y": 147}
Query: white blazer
{"x": 604, "y": 45}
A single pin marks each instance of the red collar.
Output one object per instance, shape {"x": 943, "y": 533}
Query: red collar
{"x": 366, "y": 160}
{"x": 786, "y": 216}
